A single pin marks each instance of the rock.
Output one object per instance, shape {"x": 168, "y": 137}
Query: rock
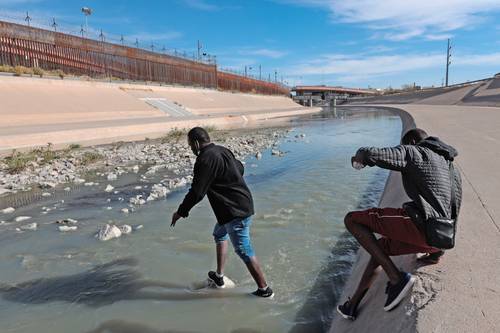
{"x": 125, "y": 229}
{"x": 79, "y": 181}
{"x": 275, "y": 152}
{"x": 112, "y": 176}
{"x": 46, "y": 194}
{"x": 135, "y": 168}
{"x": 89, "y": 184}
{"x": 46, "y": 185}
{"x": 137, "y": 200}
{"x": 64, "y": 228}
{"x": 22, "y": 218}
{"x": 138, "y": 188}
{"x": 180, "y": 183}
{"x": 4, "y": 191}
{"x": 29, "y": 227}
{"x": 258, "y": 155}
{"x": 109, "y": 188}
{"x": 124, "y": 210}
{"x": 138, "y": 227}
{"x": 158, "y": 191}
{"x": 8, "y": 210}
{"x": 108, "y": 232}
{"x": 67, "y": 189}
{"x": 67, "y": 221}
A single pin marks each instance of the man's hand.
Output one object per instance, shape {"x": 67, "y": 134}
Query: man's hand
{"x": 357, "y": 161}
{"x": 175, "y": 217}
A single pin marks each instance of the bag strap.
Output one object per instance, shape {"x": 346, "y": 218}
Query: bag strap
{"x": 453, "y": 201}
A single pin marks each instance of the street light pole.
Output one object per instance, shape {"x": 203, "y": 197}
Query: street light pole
{"x": 87, "y": 12}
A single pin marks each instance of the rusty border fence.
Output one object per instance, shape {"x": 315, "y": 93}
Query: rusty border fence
{"x": 21, "y": 45}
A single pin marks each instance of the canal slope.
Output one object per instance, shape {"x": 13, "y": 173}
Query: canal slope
{"x": 461, "y": 293}
{"x": 36, "y": 111}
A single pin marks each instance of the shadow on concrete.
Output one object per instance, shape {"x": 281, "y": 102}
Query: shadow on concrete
{"x": 103, "y": 285}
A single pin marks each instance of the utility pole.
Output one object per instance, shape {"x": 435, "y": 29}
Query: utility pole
{"x": 122, "y": 40}
{"x": 152, "y": 47}
{"x": 82, "y": 31}
{"x": 28, "y": 18}
{"x": 245, "y": 71}
{"x": 448, "y": 61}
{"x": 275, "y": 76}
{"x": 54, "y": 24}
{"x": 101, "y": 36}
{"x": 199, "y": 47}
{"x": 136, "y": 43}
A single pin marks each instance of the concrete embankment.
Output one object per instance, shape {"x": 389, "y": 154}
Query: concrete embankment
{"x": 37, "y": 111}
{"x": 461, "y": 293}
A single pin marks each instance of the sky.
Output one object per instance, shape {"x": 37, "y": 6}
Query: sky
{"x": 352, "y": 43}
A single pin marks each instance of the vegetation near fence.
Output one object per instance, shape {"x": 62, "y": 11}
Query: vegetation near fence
{"x": 33, "y": 51}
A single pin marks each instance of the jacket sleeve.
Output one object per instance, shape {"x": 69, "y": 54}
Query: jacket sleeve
{"x": 241, "y": 168}
{"x": 204, "y": 174}
{"x": 395, "y": 158}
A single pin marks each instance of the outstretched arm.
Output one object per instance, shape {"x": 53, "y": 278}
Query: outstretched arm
{"x": 204, "y": 174}
{"x": 395, "y": 158}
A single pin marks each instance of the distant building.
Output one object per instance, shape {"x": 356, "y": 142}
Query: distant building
{"x": 314, "y": 95}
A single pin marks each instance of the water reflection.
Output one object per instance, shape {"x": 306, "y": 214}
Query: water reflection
{"x": 122, "y": 326}
{"x": 103, "y": 285}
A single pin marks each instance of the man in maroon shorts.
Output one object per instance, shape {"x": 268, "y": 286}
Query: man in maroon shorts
{"x": 424, "y": 163}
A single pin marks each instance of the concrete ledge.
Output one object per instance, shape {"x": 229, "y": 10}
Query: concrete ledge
{"x": 461, "y": 293}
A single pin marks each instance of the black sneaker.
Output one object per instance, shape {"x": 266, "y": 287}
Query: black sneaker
{"x": 268, "y": 293}
{"x": 396, "y": 293}
{"x": 347, "y": 310}
{"x": 218, "y": 281}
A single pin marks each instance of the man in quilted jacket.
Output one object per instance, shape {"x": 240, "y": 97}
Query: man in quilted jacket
{"x": 425, "y": 164}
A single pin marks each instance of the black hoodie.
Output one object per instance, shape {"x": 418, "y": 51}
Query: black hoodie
{"x": 219, "y": 174}
{"x": 425, "y": 170}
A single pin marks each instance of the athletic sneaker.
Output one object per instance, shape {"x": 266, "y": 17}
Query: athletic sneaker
{"x": 347, "y": 310}
{"x": 268, "y": 293}
{"x": 431, "y": 258}
{"x": 396, "y": 293}
{"x": 218, "y": 281}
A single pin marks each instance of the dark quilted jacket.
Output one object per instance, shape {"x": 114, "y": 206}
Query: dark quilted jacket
{"x": 426, "y": 176}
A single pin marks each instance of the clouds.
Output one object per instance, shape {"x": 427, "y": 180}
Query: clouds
{"x": 352, "y": 68}
{"x": 398, "y": 20}
{"x": 200, "y": 5}
{"x": 267, "y": 53}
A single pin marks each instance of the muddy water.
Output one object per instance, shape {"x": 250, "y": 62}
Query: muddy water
{"x": 300, "y": 199}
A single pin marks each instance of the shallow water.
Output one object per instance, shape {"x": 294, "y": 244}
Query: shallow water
{"x": 300, "y": 201}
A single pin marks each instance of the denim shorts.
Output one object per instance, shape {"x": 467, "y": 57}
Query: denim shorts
{"x": 238, "y": 230}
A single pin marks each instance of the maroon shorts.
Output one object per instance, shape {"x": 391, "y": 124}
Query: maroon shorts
{"x": 399, "y": 234}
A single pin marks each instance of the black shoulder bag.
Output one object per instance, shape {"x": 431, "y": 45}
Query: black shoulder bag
{"x": 440, "y": 231}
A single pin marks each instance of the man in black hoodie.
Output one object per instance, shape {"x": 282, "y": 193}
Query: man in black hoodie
{"x": 219, "y": 175}
{"x": 428, "y": 178}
